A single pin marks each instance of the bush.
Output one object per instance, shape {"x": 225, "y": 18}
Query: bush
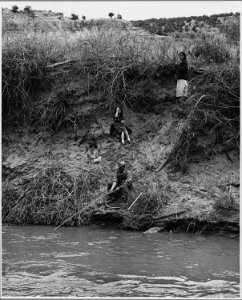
{"x": 74, "y": 17}
{"x": 28, "y": 9}
{"x": 15, "y": 9}
{"x": 111, "y": 15}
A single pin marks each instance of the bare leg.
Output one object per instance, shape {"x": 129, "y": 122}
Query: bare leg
{"x": 127, "y": 134}
{"x": 122, "y": 138}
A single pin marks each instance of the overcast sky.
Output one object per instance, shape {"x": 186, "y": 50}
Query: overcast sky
{"x": 132, "y": 10}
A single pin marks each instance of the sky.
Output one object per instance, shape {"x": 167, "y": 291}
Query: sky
{"x": 132, "y": 10}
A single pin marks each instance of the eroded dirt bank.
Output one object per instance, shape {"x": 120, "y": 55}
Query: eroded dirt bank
{"x": 205, "y": 200}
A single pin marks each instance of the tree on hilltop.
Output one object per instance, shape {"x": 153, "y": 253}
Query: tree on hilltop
{"x": 27, "y": 9}
{"x": 74, "y": 17}
{"x": 83, "y": 18}
{"x": 119, "y": 17}
{"x": 15, "y": 8}
{"x": 111, "y": 15}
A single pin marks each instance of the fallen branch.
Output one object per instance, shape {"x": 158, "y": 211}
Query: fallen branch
{"x": 134, "y": 201}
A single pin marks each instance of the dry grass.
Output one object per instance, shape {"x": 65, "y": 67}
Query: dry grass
{"x": 52, "y": 197}
{"x": 103, "y": 57}
{"x": 151, "y": 155}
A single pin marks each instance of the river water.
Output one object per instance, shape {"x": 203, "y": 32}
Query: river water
{"x": 100, "y": 262}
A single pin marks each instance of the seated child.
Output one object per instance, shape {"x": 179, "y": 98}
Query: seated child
{"x": 93, "y": 153}
{"x": 119, "y": 127}
{"x": 121, "y": 185}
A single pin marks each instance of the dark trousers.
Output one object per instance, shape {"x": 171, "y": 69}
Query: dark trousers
{"x": 122, "y": 192}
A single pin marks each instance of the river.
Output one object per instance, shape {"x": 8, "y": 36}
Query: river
{"x": 101, "y": 262}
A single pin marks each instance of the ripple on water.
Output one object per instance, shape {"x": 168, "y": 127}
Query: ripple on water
{"x": 68, "y": 254}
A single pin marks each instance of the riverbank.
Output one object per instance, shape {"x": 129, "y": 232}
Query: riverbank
{"x": 184, "y": 154}
{"x": 47, "y": 180}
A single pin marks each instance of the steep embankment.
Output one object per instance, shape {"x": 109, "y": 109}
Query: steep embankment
{"x": 66, "y": 86}
{"x": 201, "y": 200}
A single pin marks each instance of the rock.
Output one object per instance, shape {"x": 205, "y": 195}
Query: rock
{"x": 154, "y": 230}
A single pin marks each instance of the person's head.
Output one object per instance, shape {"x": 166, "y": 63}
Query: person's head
{"x": 118, "y": 111}
{"x": 93, "y": 144}
{"x": 182, "y": 56}
{"x": 121, "y": 166}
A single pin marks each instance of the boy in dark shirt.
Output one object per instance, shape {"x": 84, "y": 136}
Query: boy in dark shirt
{"x": 182, "y": 76}
{"x": 121, "y": 185}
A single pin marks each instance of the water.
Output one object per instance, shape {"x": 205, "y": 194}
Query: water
{"x": 91, "y": 261}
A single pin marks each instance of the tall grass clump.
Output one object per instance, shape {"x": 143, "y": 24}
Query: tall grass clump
{"x": 25, "y": 58}
{"x": 23, "y": 70}
{"x": 51, "y": 197}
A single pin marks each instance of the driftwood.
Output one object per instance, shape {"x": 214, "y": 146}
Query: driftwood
{"x": 62, "y": 63}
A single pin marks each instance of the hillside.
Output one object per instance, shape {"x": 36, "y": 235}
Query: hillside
{"x": 60, "y": 90}
{"x": 194, "y": 24}
{"x": 48, "y": 21}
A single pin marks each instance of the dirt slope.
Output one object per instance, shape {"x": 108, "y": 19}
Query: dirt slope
{"x": 195, "y": 194}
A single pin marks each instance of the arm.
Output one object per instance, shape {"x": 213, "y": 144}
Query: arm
{"x": 113, "y": 186}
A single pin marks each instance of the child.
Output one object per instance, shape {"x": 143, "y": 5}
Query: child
{"x": 121, "y": 185}
{"x": 182, "y": 76}
{"x": 119, "y": 127}
{"x": 93, "y": 153}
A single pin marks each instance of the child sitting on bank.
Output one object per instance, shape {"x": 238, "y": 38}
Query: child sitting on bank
{"x": 121, "y": 185}
{"x": 93, "y": 153}
{"x": 118, "y": 127}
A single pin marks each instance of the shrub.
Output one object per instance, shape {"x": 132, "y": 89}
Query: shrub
{"x": 111, "y": 15}
{"x": 74, "y": 17}
{"x": 28, "y": 9}
{"x": 15, "y": 8}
